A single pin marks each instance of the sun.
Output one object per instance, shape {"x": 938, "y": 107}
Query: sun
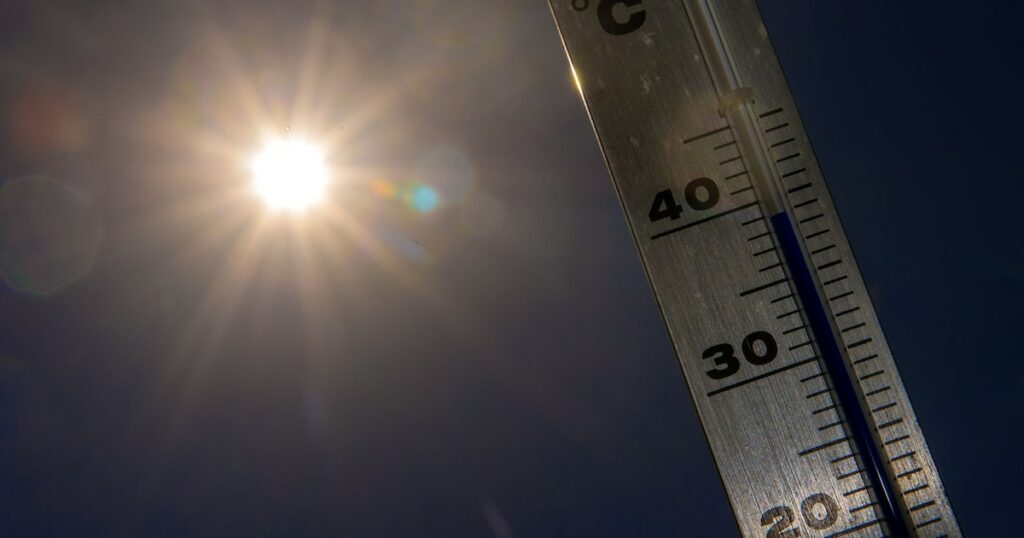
{"x": 290, "y": 175}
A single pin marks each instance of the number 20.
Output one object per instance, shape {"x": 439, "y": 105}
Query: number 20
{"x": 818, "y": 510}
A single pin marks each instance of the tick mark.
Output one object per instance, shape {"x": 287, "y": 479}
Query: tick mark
{"x": 852, "y": 327}
{"x": 815, "y": 252}
{"x": 859, "y": 343}
{"x": 866, "y": 359}
{"x": 915, "y": 489}
{"x": 762, "y": 376}
{"x": 896, "y": 440}
{"x": 890, "y": 424}
{"x": 762, "y": 287}
{"x": 705, "y": 220}
{"x": 732, "y": 160}
{"x": 835, "y": 280}
{"x": 829, "y": 264}
{"x": 823, "y": 446}
{"x": 705, "y": 135}
{"x": 903, "y": 456}
{"x": 787, "y": 158}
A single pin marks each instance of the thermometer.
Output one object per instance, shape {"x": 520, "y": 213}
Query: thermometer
{"x": 796, "y": 389}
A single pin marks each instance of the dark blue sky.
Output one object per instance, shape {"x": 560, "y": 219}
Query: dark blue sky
{"x": 494, "y": 367}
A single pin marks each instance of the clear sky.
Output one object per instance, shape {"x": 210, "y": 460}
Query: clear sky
{"x": 461, "y": 341}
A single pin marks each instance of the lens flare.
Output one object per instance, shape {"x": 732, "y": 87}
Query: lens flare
{"x": 290, "y": 175}
{"x": 424, "y": 199}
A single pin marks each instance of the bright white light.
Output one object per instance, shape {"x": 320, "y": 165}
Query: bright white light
{"x": 290, "y": 175}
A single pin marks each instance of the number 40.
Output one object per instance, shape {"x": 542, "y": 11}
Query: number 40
{"x": 700, "y": 194}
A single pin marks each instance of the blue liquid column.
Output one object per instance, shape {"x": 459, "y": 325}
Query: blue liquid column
{"x": 831, "y": 354}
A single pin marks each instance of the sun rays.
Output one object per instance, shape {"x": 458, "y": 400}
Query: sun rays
{"x": 324, "y": 141}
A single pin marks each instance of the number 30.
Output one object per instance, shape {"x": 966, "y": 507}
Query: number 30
{"x": 724, "y": 356}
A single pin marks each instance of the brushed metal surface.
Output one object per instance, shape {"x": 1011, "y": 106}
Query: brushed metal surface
{"x": 777, "y": 434}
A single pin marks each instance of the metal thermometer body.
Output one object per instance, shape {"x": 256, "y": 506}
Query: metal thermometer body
{"x": 800, "y": 400}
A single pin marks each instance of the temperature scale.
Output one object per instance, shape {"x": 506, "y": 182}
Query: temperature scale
{"x": 797, "y": 391}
